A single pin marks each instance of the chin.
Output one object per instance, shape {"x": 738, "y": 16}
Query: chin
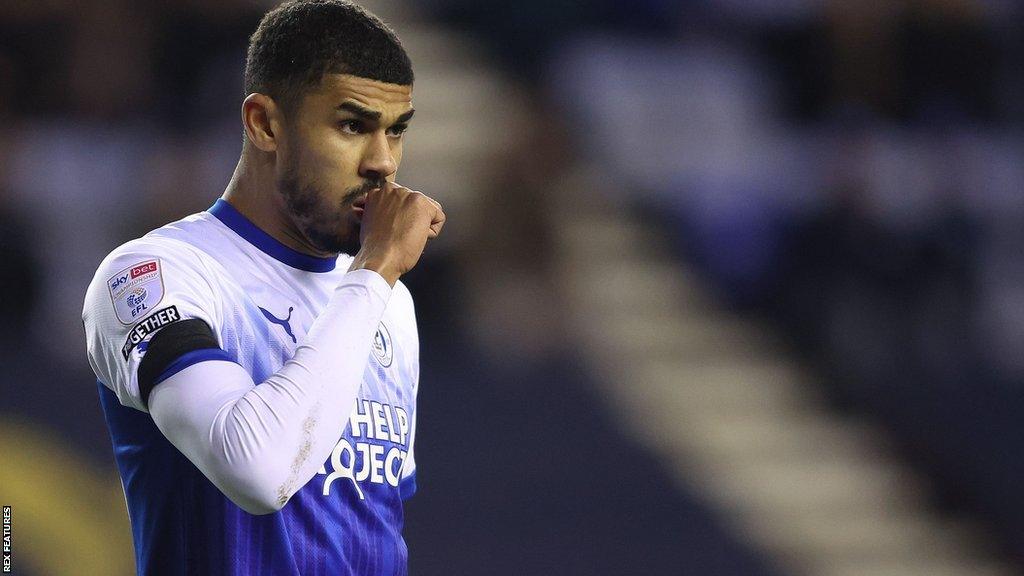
{"x": 343, "y": 245}
{"x": 331, "y": 242}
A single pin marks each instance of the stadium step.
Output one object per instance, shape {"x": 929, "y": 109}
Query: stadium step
{"x": 739, "y": 419}
{"x": 716, "y": 396}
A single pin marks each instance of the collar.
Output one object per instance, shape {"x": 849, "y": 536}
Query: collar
{"x": 266, "y": 243}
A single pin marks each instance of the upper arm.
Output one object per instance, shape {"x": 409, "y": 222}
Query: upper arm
{"x": 193, "y": 408}
{"x": 139, "y": 290}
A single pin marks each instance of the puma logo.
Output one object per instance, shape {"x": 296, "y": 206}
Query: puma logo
{"x": 283, "y": 323}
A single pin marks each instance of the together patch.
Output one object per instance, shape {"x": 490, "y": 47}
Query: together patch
{"x": 151, "y": 324}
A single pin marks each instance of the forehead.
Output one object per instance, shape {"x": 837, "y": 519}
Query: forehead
{"x": 334, "y": 89}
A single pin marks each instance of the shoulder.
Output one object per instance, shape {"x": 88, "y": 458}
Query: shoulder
{"x": 139, "y": 288}
{"x": 164, "y": 259}
{"x": 183, "y": 244}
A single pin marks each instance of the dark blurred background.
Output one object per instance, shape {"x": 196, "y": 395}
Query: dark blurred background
{"x": 729, "y": 287}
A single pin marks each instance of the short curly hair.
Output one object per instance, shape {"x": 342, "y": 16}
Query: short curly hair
{"x": 298, "y": 42}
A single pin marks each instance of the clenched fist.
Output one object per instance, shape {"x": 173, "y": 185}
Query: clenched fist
{"x": 397, "y": 222}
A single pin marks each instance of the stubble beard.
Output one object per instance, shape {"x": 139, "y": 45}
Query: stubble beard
{"x": 328, "y": 227}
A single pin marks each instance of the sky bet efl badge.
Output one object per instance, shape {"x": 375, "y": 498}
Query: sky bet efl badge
{"x": 136, "y": 290}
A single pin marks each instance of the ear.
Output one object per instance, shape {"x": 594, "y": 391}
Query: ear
{"x": 261, "y": 118}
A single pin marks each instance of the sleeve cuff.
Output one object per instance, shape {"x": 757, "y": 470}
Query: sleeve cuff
{"x": 371, "y": 280}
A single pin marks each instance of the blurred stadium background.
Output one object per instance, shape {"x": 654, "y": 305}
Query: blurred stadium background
{"x": 729, "y": 287}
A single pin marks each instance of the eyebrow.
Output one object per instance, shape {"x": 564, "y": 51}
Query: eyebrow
{"x": 405, "y": 117}
{"x": 367, "y": 114}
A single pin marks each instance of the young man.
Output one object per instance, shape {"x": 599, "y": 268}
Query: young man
{"x": 258, "y": 362}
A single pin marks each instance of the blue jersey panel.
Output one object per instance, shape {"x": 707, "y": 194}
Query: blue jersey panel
{"x": 183, "y": 525}
{"x": 260, "y": 298}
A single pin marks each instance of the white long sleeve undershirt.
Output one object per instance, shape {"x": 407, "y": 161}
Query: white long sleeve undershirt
{"x": 260, "y": 443}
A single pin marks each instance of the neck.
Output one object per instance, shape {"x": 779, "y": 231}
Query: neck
{"x": 253, "y": 192}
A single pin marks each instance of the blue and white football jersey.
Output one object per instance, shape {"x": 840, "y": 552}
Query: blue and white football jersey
{"x": 259, "y": 297}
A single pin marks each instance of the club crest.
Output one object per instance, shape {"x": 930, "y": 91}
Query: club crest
{"x": 383, "y": 347}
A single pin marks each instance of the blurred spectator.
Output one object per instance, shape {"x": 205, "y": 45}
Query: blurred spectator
{"x": 921, "y": 60}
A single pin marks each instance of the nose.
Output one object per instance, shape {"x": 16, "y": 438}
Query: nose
{"x": 378, "y": 162}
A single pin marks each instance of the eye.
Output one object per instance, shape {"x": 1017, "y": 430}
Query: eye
{"x": 352, "y": 127}
{"x": 397, "y": 130}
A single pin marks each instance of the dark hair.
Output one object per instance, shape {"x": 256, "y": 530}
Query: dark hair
{"x": 298, "y": 42}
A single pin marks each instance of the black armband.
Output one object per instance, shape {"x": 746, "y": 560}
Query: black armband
{"x": 167, "y": 346}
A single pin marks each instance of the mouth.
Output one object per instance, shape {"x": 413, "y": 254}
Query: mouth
{"x": 359, "y": 206}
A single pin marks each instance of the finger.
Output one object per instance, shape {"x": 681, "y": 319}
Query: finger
{"x": 374, "y": 193}
{"x": 437, "y": 224}
{"x": 434, "y": 202}
{"x": 438, "y": 209}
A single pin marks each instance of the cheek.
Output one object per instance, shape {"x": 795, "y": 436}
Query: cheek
{"x": 396, "y": 153}
{"x": 334, "y": 155}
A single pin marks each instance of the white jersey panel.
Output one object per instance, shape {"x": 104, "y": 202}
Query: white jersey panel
{"x": 260, "y": 299}
{"x": 259, "y": 309}
{"x": 139, "y": 288}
